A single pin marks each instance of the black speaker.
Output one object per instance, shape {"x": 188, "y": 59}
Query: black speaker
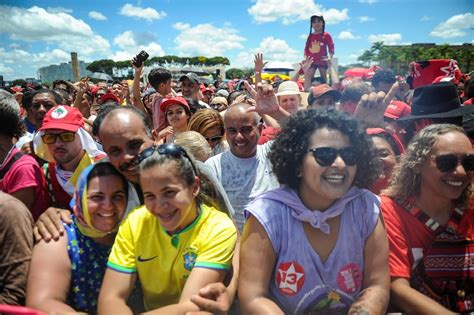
{"x": 218, "y": 72}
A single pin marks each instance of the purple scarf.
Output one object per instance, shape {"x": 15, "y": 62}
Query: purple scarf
{"x": 316, "y": 218}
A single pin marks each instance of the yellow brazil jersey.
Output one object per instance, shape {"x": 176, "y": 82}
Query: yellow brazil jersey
{"x": 164, "y": 261}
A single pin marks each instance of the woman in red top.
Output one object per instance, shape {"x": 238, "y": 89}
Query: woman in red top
{"x": 317, "y": 46}
{"x": 428, "y": 216}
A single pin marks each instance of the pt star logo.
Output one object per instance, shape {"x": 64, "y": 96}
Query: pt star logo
{"x": 449, "y": 70}
{"x": 290, "y": 278}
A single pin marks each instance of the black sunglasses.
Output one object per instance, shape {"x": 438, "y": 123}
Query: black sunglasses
{"x": 214, "y": 139}
{"x": 326, "y": 156}
{"x": 171, "y": 149}
{"x": 448, "y": 162}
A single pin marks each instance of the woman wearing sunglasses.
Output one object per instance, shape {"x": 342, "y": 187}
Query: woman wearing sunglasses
{"x": 176, "y": 244}
{"x": 317, "y": 244}
{"x": 210, "y": 124}
{"x": 65, "y": 276}
{"x": 429, "y": 223}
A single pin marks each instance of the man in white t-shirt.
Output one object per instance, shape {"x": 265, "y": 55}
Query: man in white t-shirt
{"x": 244, "y": 171}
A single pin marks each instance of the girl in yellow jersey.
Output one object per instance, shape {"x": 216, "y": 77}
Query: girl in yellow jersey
{"x": 176, "y": 244}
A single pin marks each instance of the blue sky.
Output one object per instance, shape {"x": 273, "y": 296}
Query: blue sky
{"x": 39, "y": 33}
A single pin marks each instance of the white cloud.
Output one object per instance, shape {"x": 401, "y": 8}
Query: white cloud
{"x": 97, "y": 16}
{"x": 347, "y": 35}
{"x": 26, "y": 64}
{"x": 181, "y": 26}
{"x": 368, "y": 1}
{"x": 5, "y": 70}
{"x": 455, "y": 26}
{"x": 363, "y": 19}
{"x": 55, "y": 10}
{"x": 264, "y": 11}
{"x": 425, "y": 18}
{"x": 131, "y": 43}
{"x": 207, "y": 40}
{"x": 303, "y": 36}
{"x": 273, "y": 49}
{"x": 38, "y": 25}
{"x": 387, "y": 39}
{"x": 124, "y": 40}
{"x": 148, "y": 14}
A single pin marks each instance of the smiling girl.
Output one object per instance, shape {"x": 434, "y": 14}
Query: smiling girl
{"x": 178, "y": 114}
{"x": 176, "y": 244}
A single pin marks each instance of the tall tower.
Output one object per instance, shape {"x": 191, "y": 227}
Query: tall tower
{"x": 75, "y": 67}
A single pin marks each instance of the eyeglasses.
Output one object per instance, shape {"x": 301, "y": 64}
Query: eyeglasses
{"x": 448, "y": 162}
{"x": 171, "y": 149}
{"x": 326, "y": 156}
{"x": 50, "y": 138}
{"x": 214, "y": 139}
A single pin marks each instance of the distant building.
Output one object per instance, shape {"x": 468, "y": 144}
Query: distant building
{"x": 62, "y": 71}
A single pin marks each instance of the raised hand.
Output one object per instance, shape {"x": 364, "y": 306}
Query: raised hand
{"x": 137, "y": 69}
{"x": 265, "y": 98}
{"x": 371, "y": 108}
{"x": 259, "y": 64}
{"x": 306, "y": 64}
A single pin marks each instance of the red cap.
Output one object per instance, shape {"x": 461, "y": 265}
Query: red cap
{"x": 173, "y": 100}
{"x": 109, "y": 96}
{"x": 63, "y": 117}
{"x": 17, "y": 89}
{"x": 397, "y": 109}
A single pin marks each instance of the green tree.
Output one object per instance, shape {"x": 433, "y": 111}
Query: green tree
{"x": 234, "y": 73}
{"x": 103, "y": 65}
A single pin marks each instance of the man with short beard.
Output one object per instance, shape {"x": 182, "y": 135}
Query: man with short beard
{"x": 69, "y": 149}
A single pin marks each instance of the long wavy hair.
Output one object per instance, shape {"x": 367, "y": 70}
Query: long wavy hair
{"x": 406, "y": 179}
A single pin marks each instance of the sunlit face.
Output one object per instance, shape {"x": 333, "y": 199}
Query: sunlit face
{"x": 385, "y": 153}
{"x": 448, "y": 185}
{"x": 106, "y": 201}
{"x": 290, "y": 103}
{"x": 188, "y": 88}
{"x": 166, "y": 87}
{"x": 320, "y": 185}
{"x": 117, "y": 90}
{"x": 169, "y": 197}
{"x": 40, "y": 105}
{"x": 65, "y": 152}
{"x": 213, "y": 136}
{"x": 123, "y": 137}
{"x": 177, "y": 117}
{"x": 242, "y": 133}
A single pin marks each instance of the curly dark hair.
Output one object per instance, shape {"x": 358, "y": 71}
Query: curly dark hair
{"x": 291, "y": 145}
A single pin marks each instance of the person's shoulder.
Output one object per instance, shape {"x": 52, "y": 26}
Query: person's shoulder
{"x": 216, "y": 159}
{"x": 13, "y": 209}
{"x": 216, "y": 219}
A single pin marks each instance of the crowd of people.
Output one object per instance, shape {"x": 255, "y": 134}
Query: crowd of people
{"x": 245, "y": 196}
